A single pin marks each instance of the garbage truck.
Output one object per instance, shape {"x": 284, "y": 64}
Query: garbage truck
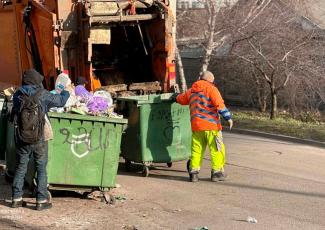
{"x": 126, "y": 45}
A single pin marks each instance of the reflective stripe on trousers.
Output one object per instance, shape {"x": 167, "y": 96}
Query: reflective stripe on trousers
{"x": 217, "y": 149}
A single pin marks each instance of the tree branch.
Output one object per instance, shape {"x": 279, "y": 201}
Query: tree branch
{"x": 255, "y": 65}
{"x": 261, "y": 54}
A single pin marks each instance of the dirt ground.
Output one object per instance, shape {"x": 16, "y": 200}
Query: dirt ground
{"x": 280, "y": 184}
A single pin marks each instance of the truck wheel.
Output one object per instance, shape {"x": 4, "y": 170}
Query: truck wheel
{"x": 145, "y": 171}
{"x": 170, "y": 164}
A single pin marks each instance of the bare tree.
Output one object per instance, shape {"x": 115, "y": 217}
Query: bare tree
{"x": 180, "y": 68}
{"x": 273, "y": 49}
{"x": 268, "y": 36}
{"x": 219, "y": 21}
{"x": 260, "y": 89}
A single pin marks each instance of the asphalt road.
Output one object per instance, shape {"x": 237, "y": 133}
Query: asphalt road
{"x": 280, "y": 184}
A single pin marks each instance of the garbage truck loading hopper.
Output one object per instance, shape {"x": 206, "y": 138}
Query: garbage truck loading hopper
{"x": 135, "y": 46}
{"x": 107, "y": 42}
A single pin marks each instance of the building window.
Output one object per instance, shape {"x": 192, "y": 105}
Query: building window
{"x": 198, "y": 4}
{"x": 190, "y": 4}
{"x": 183, "y": 4}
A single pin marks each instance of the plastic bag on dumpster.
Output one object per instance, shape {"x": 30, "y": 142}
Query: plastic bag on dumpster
{"x": 48, "y": 131}
{"x": 106, "y": 95}
{"x": 83, "y": 102}
{"x": 57, "y": 110}
{"x": 97, "y": 105}
{"x": 100, "y": 103}
{"x": 83, "y": 93}
{"x": 61, "y": 83}
{"x": 73, "y": 100}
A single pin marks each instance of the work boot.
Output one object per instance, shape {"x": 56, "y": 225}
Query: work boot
{"x": 42, "y": 206}
{"x": 18, "y": 203}
{"x": 194, "y": 176}
{"x": 218, "y": 176}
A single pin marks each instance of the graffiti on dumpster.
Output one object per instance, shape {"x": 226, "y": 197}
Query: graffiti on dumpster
{"x": 167, "y": 114}
{"x": 82, "y": 142}
{"x": 171, "y": 120}
{"x": 172, "y": 134}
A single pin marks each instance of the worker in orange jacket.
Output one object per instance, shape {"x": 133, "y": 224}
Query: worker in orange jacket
{"x": 206, "y": 107}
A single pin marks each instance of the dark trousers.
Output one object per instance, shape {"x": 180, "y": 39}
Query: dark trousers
{"x": 24, "y": 152}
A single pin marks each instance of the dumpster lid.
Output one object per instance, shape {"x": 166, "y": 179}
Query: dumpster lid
{"x": 148, "y": 99}
{"x": 88, "y": 118}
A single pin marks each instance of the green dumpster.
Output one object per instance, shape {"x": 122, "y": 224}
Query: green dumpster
{"x": 84, "y": 154}
{"x": 158, "y": 131}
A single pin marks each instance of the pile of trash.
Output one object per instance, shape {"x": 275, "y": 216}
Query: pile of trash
{"x": 81, "y": 101}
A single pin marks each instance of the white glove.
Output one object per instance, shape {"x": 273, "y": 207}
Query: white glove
{"x": 231, "y": 123}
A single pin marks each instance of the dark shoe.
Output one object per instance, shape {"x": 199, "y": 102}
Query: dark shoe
{"x": 218, "y": 176}
{"x": 194, "y": 176}
{"x": 42, "y": 206}
{"x": 18, "y": 204}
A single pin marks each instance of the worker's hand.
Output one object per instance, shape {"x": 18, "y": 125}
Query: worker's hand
{"x": 231, "y": 123}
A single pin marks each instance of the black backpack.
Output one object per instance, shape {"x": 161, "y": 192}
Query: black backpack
{"x": 30, "y": 119}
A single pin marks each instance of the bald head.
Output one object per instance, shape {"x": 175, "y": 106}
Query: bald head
{"x": 207, "y": 76}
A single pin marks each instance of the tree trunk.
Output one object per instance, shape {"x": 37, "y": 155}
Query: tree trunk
{"x": 260, "y": 93}
{"x": 261, "y": 99}
{"x": 274, "y": 103}
{"x": 264, "y": 104}
{"x": 182, "y": 78}
{"x": 207, "y": 55}
{"x": 210, "y": 42}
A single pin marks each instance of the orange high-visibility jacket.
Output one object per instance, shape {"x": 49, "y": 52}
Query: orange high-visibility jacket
{"x": 206, "y": 104}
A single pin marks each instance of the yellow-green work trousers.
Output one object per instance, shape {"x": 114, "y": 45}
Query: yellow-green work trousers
{"x": 214, "y": 140}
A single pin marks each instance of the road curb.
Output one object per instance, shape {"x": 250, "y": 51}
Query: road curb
{"x": 276, "y": 137}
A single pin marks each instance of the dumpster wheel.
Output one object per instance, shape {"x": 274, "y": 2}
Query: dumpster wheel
{"x": 170, "y": 164}
{"x": 128, "y": 165}
{"x": 145, "y": 171}
{"x": 109, "y": 198}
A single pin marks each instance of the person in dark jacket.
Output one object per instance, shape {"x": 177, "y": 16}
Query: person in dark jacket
{"x": 32, "y": 83}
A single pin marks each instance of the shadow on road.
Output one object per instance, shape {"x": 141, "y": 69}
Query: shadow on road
{"x": 137, "y": 168}
{"x": 14, "y": 224}
{"x": 164, "y": 177}
{"x": 268, "y": 189}
{"x": 250, "y": 138}
{"x": 136, "y": 171}
{"x": 226, "y": 183}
